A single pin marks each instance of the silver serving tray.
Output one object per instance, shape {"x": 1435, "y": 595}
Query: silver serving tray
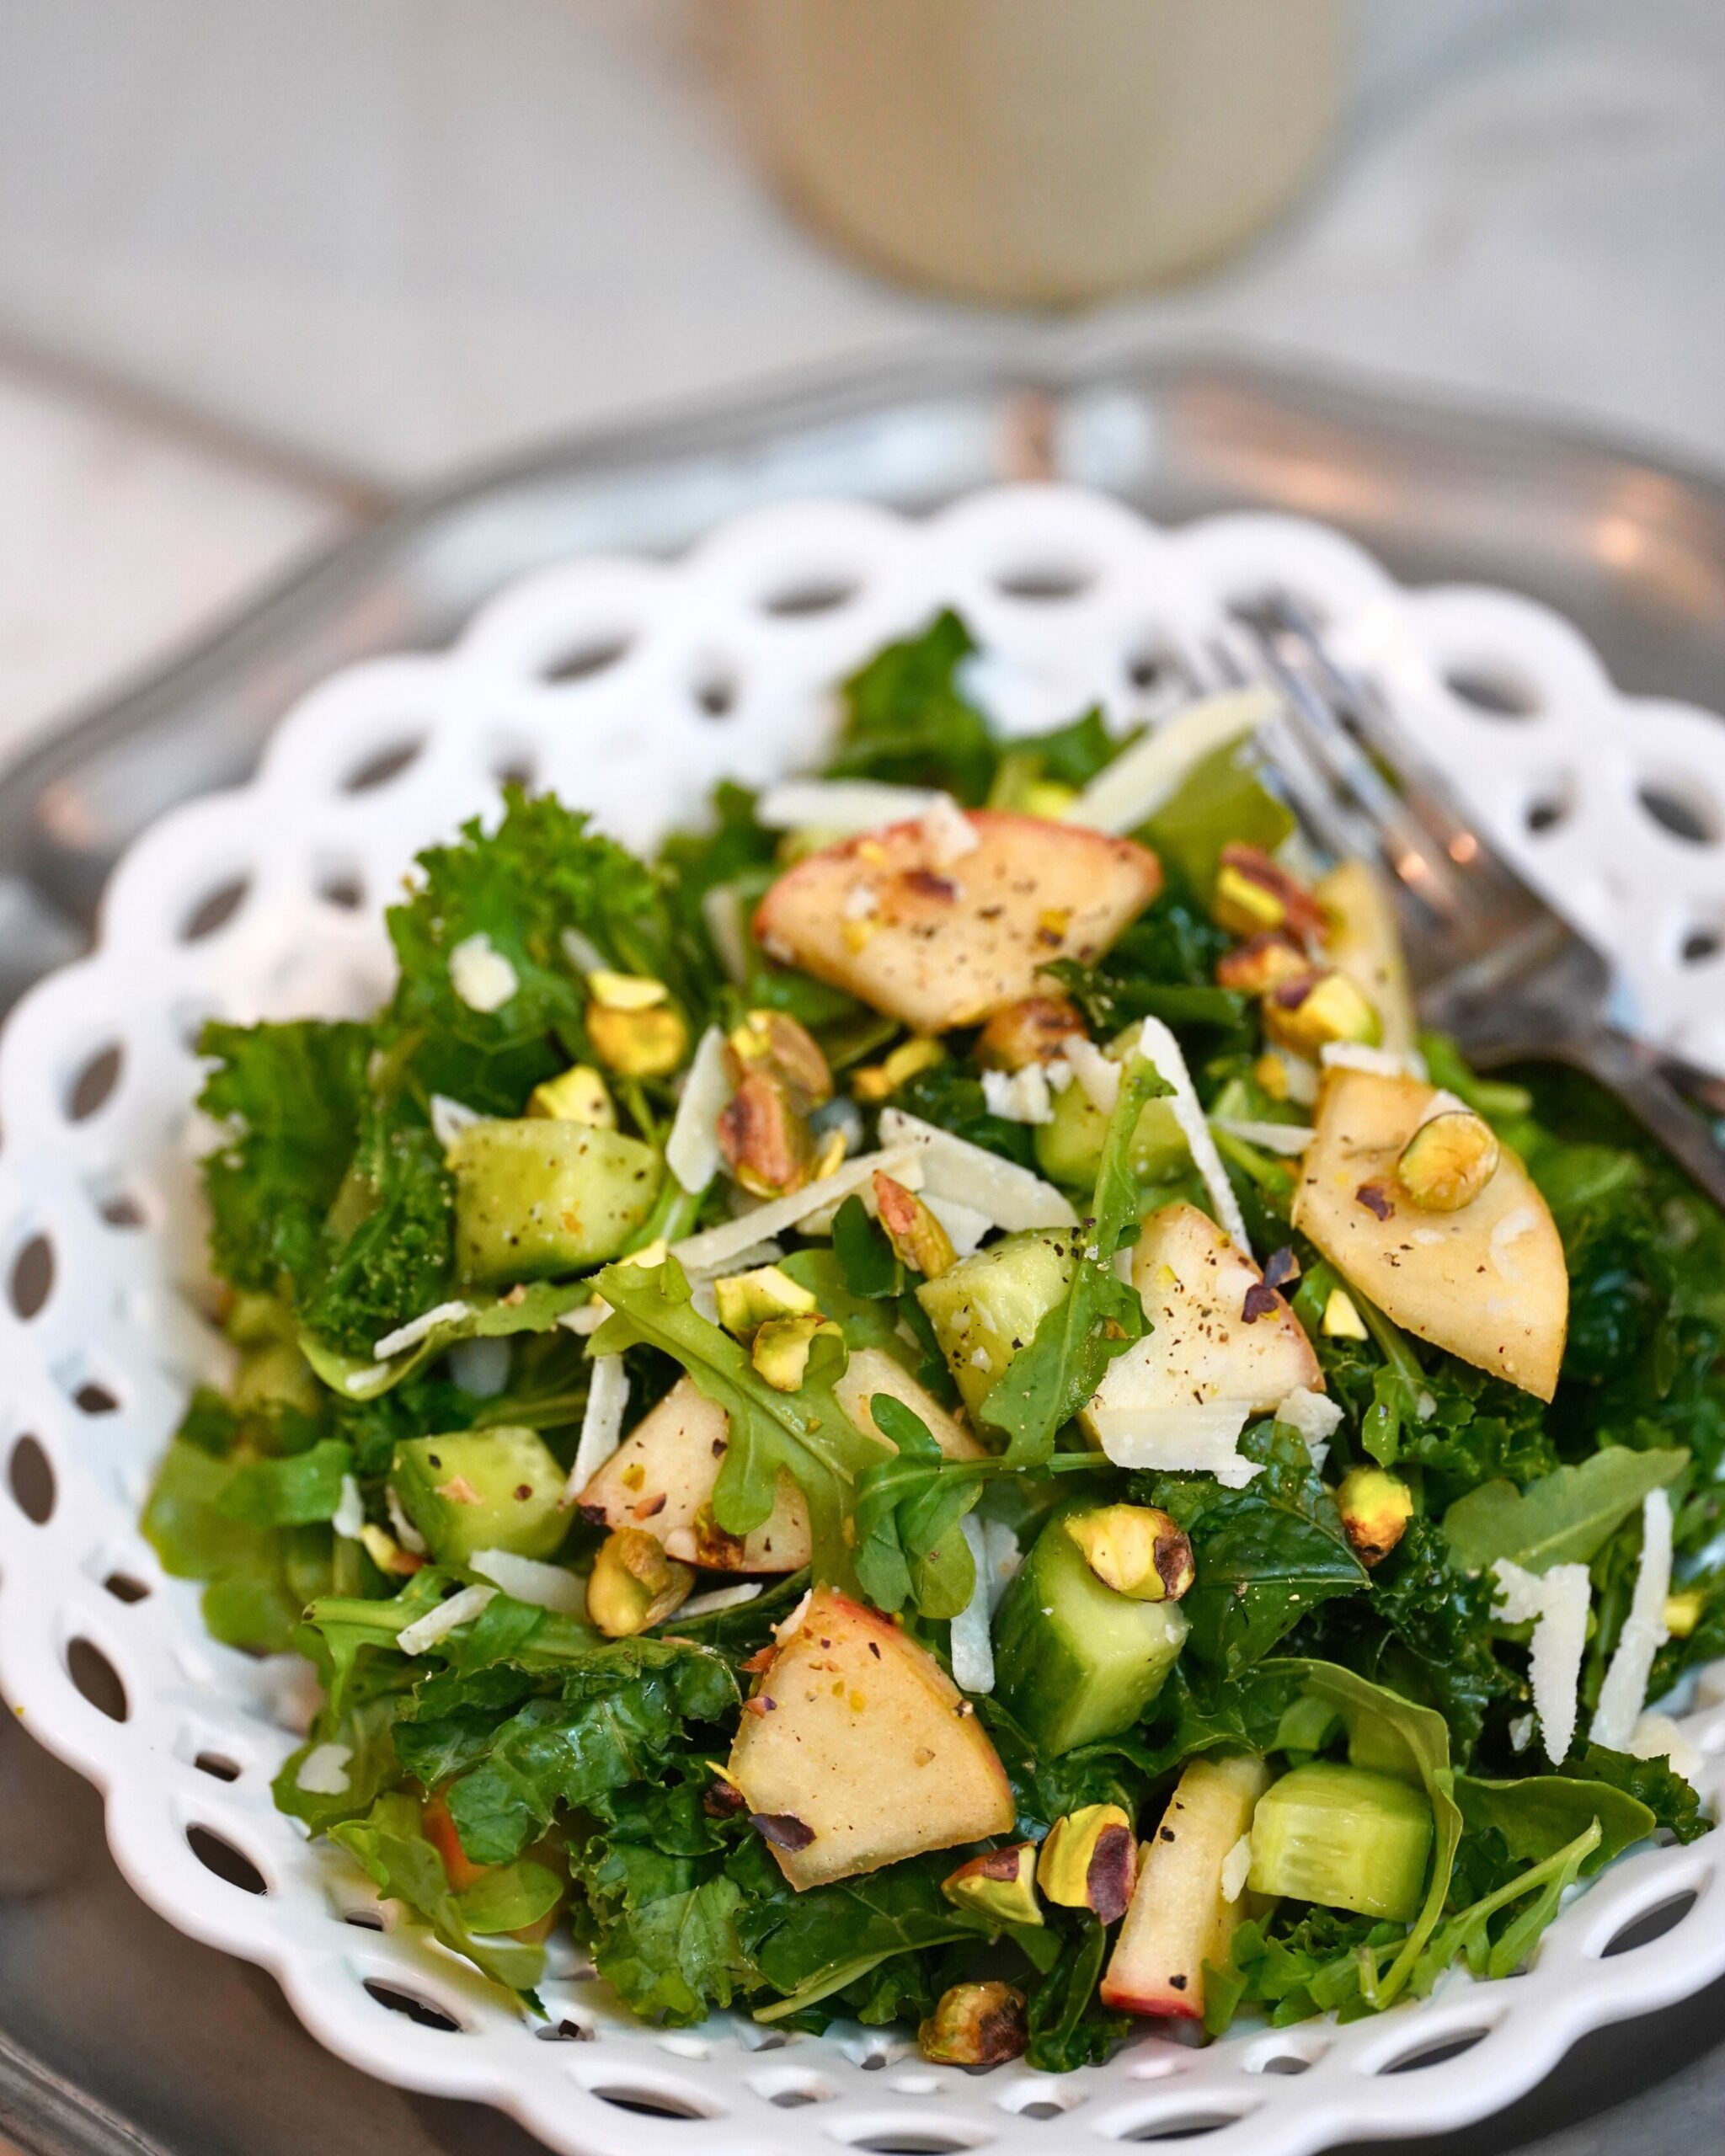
{"x": 117, "y": 2034}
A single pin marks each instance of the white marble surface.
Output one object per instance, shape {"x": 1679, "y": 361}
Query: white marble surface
{"x": 388, "y": 235}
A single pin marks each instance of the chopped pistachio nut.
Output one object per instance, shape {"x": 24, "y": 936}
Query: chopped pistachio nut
{"x": 1000, "y": 1886}
{"x": 1376, "y": 1508}
{"x": 771, "y": 1040}
{"x": 781, "y": 1345}
{"x": 765, "y": 1137}
{"x": 1263, "y": 964}
{"x": 975, "y": 2025}
{"x": 633, "y": 1584}
{"x": 580, "y": 1096}
{"x": 1090, "y": 1861}
{"x": 1137, "y": 1550}
{"x": 1253, "y": 893}
{"x": 1308, "y": 1013}
{"x": 875, "y": 1081}
{"x": 1449, "y": 1160}
{"x": 1341, "y": 1320}
{"x": 747, "y": 1300}
{"x": 1032, "y": 1030}
{"x": 649, "y": 1043}
{"x": 625, "y": 992}
{"x": 1683, "y": 1612}
{"x": 917, "y": 1237}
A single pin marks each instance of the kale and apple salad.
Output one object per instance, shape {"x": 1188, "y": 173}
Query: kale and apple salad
{"x": 932, "y": 1408}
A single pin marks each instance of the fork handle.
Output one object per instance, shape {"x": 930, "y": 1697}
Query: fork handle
{"x": 1672, "y": 1100}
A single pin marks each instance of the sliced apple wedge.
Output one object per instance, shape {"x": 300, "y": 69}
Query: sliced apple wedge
{"x": 1221, "y": 1347}
{"x": 1365, "y": 943}
{"x": 943, "y": 921}
{"x": 661, "y": 1477}
{"x": 1182, "y": 1913}
{"x": 1487, "y": 1281}
{"x": 858, "y": 1749}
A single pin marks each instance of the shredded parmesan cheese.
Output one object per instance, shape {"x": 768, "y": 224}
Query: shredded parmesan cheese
{"x": 601, "y": 1426}
{"x": 692, "y": 1151}
{"x": 1657, "y": 1737}
{"x": 716, "y": 1249}
{"x": 450, "y": 1118}
{"x": 1142, "y": 777}
{"x": 1198, "y": 1440}
{"x": 547, "y": 1587}
{"x": 722, "y": 913}
{"x": 419, "y": 1328}
{"x": 1288, "y": 1137}
{"x": 964, "y": 1226}
{"x": 972, "y": 1650}
{"x": 1004, "y": 1559}
{"x": 1236, "y": 1865}
{"x": 350, "y": 1514}
{"x": 1315, "y": 1417}
{"x": 720, "y": 1598}
{"x": 437, "y": 1624}
{"x": 1383, "y": 1062}
{"x": 406, "y": 1533}
{"x": 1557, "y": 1603}
{"x": 1018, "y": 1095}
{"x": 323, "y": 1770}
{"x": 1097, "y": 1076}
{"x": 1624, "y": 1693}
{"x": 841, "y": 805}
{"x": 1155, "y": 1041}
{"x": 480, "y": 974}
{"x": 953, "y": 1168}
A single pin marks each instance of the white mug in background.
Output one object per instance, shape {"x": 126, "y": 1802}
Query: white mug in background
{"x": 1042, "y": 151}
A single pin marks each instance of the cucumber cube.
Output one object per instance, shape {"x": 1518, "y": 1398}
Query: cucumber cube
{"x": 496, "y": 1489}
{"x": 536, "y": 1198}
{"x": 1346, "y": 1838}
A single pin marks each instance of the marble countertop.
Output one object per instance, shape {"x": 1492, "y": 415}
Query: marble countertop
{"x": 260, "y": 259}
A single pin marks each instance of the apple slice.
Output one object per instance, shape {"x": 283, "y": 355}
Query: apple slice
{"x": 1487, "y": 1282}
{"x": 858, "y": 1749}
{"x": 942, "y": 926}
{"x": 1182, "y": 1915}
{"x": 661, "y": 1477}
{"x": 1205, "y": 1364}
{"x": 1365, "y": 942}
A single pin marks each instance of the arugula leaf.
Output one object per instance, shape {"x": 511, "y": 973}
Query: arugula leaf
{"x": 1544, "y": 1813}
{"x": 258, "y": 1578}
{"x": 909, "y": 1543}
{"x": 871, "y": 1268}
{"x": 906, "y": 722}
{"x": 1222, "y": 801}
{"x": 389, "y": 1845}
{"x": 290, "y": 1492}
{"x": 1566, "y": 1518}
{"x": 1466, "y": 1935}
{"x": 1100, "y": 1315}
{"x": 805, "y": 1433}
{"x": 1064, "y": 2031}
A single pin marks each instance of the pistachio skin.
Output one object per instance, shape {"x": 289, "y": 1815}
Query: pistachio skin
{"x": 1449, "y": 1160}
{"x": 975, "y": 2025}
{"x": 1376, "y": 1508}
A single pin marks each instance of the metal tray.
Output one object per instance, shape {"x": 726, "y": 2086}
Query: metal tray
{"x": 116, "y": 2033}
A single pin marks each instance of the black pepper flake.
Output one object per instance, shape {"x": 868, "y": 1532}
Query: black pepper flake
{"x": 1177, "y": 1983}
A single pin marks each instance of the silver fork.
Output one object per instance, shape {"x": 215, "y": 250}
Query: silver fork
{"x": 1493, "y": 963}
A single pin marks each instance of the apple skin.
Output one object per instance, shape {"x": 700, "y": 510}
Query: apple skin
{"x": 938, "y": 939}
{"x": 857, "y": 1738}
{"x": 1179, "y": 1918}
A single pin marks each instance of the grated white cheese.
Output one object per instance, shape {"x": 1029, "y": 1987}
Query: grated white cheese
{"x": 350, "y": 1514}
{"x": 419, "y": 1328}
{"x": 1142, "y": 777}
{"x": 716, "y": 1249}
{"x": 480, "y": 1366}
{"x": 787, "y": 1626}
{"x": 1556, "y": 1602}
{"x": 1315, "y": 1417}
{"x": 720, "y": 1598}
{"x": 1657, "y": 1737}
{"x": 406, "y": 1533}
{"x": 721, "y": 912}
{"x": 323, "y": 1770}
{"x": 588, "y": 1318}
{"x": 450, "y": 1118}
{"x": 692, "y": 1151}
{"x": 1004, "y": 1559}
{"x": 972, "y": 1650}
{"x": 437, "y": 1624}
{"x": 601, "y": 1426}
{"x": 1382, "y": 1062}
{"x": 583, "y": 953}
{"x": 1624, "y": 1693}
{"x": 1018, "y": 1095}
{"x": 1098, "y": 1074}
{"x": 1288, "y": 1137}
{"x": 1521, "y": 1732}
{"x": 1199, "y": 1440}
{"x": 841, "y": 805}
{"x": 1301, "y": 1075}
{"x": 964, "y": 1226}
{"x": 547, "y": 1587}
{"x": 1012, "y": 1196}
{"x": 947, "y": 832}
{"x": 1155, "y": 1041}
{"x": 861, "y": 900}
{"x": 480, "y": 974}
{"x": 1237, "y": 1866}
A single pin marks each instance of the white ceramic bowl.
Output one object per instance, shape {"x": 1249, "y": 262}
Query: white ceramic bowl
{"x": 631, "y": 686}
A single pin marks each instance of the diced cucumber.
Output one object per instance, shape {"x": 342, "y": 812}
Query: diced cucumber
{"x": 1075, "y": 1661}
{"x": 536, "y": 1198}
{"x": 1069, "y": 1146}
{"x": 482, "y": 1489}
{"x": 986, "y": 1308}
{"x": 1345, "y": 1838}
